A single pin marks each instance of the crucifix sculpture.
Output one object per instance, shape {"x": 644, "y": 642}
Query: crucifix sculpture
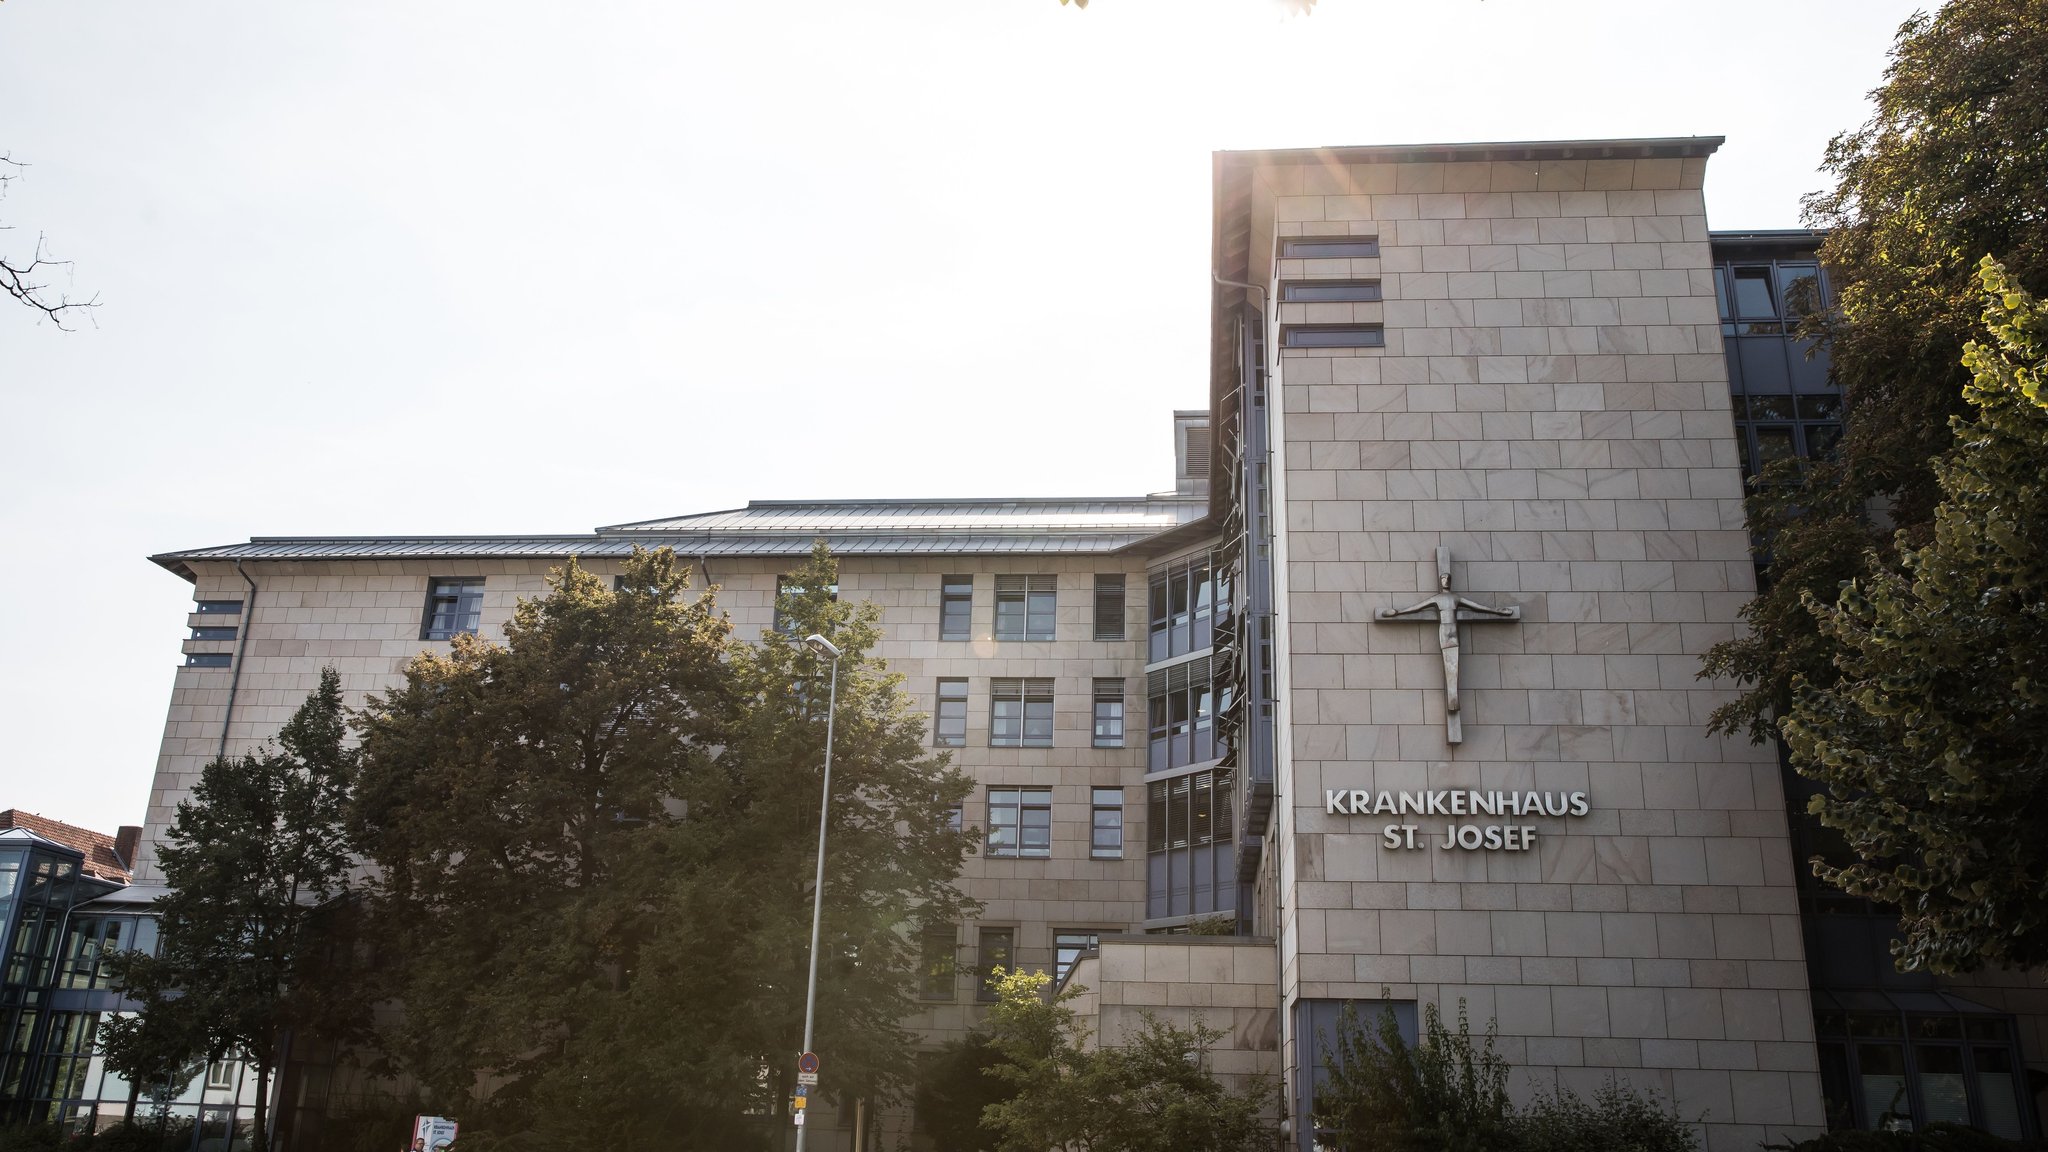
{"x": 1449, "y": 609}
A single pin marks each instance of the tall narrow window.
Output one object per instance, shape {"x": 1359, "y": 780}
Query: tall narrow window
{"x": 998, "y": 949}
{"x": 1019, "y": 822}
{"x": 937, "y": 961}
{"x": 1109, "y": 606}
{"x": 949, "y": 717}
{"x": 1109, "y": 713}
{"x": 1025, "y": 607}
{"x": 1106, "y": 824}
{"x": 1020, "y": 713}
{"x": 956, "y": 608}
{"x": 218, "y": 607}
{"x": 454, "y": 605}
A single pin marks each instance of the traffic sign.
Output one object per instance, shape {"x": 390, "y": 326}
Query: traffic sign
{"x": 803, "y": 1089}
{"x": 807, "y": 1062}
{"x": 803, "y": 1078}
{"x": 798, "y": 1116}
{"x": 801, "y": 1102}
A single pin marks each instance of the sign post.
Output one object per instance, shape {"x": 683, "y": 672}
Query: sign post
{"x": 432, "y": 1133}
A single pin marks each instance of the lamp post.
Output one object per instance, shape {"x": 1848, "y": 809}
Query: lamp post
{"x": 822, "y": 647}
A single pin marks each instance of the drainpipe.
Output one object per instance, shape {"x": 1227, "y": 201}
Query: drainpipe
{"x": 241, "y": 646}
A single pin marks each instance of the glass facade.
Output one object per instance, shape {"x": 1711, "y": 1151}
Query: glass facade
{"x": 59, "y": 925}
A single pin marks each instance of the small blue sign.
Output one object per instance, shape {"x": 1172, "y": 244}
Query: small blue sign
{"x": 803, "y": 1089}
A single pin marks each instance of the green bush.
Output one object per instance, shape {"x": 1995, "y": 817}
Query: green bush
{"x": 1617, "y": 1119}
{"x": 1449, "y": 1093}
{"x": 139, "y": 1136}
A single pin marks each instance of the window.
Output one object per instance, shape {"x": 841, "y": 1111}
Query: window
{"x": 454, "y": 605}
{"x": 956, "y": 608}
{"x": 1019, "y": 822}
{"x": 218, "y": 608}
{"x": 1067, "y": 948}
{"x": 1330, "y": 247}
{"x": 949, "y": 719}
{"x": 1024, "y": 607}
{"x": 1908, "y": 1069}
{"x": 955, "y": 818}
{"x": 1781, "y": 427}
{"x": 1188, "y": 811}
{"x": 787, "y": 590}
{"x": 227, "y": 633}
{"x": 1109, "y": 713}
{"x": 1020, "y": 713}
{"x": 208, "y": 659}
{"x": 1106, "y": 824}
{"x": 1333, "y": 336}
{"x": 1109, "y": 606}
{"x": 220, "y": 1074}
{"x": 1188, "y": 599}
{"x": 937, "y": 961}
{"x": 998, "y": 950}
{"x": 1329, "y": 291}
{"x": 1180, "y": 717}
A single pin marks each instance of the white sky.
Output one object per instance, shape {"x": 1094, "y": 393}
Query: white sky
{"x": 392, "y": 267}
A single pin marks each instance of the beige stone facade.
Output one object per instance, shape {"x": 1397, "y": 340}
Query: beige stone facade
{"x": 1551, "y": 405}
{"x": 1511, "y": 353}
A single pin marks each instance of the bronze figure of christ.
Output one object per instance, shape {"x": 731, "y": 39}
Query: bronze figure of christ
{"x": 1449, "y": 609}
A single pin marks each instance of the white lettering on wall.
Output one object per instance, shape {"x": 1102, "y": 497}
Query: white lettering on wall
{"x": 1457, "y": 836}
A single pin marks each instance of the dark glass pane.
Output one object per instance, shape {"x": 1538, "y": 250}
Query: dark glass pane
{"x": 1883, "y": 1080}
{"x": 1937, "y": 1028}
{"x": 1329, "y": 291}
{"x": 1997, "y": 1095}
{"x": 1873, "y": 1024}
{"x": 1820, "y": 407}
{"x": 1770, "y": 407}
{"x": 1836, "y": 1096}
{"x": 1944, "y": 1098}
{"x": 1721, "y": 296}
{"x": 1311, "y": 248}
{"x": 1800, "y": 285}
{"x": 1773, "y": 443}
{"x": 1753, "y": 296}
{"x": 1985, "y": 1029}
{"x": 1334, "y": 336}
{"x": 1155, "y": 817}
{"x": 218, "y": 607}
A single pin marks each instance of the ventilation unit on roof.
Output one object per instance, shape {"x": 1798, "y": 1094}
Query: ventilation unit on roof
{"x": 1191, "y": 453}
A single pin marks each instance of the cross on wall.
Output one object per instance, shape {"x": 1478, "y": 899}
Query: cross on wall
{"x": 1449, "y": 610}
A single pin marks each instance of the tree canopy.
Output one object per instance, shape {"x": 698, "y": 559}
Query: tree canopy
{"x": 596, "y": 842}
{"x": 1949, "y": 167}
{"x": 1932, "y": 735}
{"x": 255, "y": 861}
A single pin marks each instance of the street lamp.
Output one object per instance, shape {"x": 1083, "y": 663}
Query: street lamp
{"x": 822, "y": 647}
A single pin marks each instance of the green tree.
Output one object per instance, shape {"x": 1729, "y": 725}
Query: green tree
{"x": 1152, "y": 1093}
{"x": 255, "y": 862}
{"x": 1444, "y": 1094}
{"x": 1950, "y": 166}
{"x": 596, "y": 844}
{"x": 1931, "y": 733}
{"x": 955, "y": 1086}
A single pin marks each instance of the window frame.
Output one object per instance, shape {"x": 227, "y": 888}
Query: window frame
{"x": 1112, "y": 615}
{"x": 1345, "y": 247}
{"x": 1023, "y": 805}
{"x": 1105, "y": 802}
{"x": 785, "y": 587}
{"x": 956, "y": 591}
{"x": 984, "y": 963}
{"x": 1034, "y": 701}
{"x": 1109, "y": 690}
{"x": 928, "y": 976}
{"x": 1333, "y": 336}
{"x": 209, "y": 660}
{"x": 1078, "y": 940}
{"x": 464, "y": 596}
{"x": 940, "y": 699}
{"x": 1362, "y": 290}
{"x": 1032, "y": 603}
{"x": 217, "y": 608}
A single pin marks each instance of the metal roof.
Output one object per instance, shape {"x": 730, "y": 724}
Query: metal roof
{"x": 777, "y": 528}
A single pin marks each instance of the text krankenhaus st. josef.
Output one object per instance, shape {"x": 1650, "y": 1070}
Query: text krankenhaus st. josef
{"x": 1457, "y": 802}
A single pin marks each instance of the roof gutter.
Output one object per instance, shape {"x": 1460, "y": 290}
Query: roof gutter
{"x": 241, "y": 647}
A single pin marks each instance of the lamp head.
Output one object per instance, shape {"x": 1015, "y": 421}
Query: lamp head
{"x": 822, "y": 646}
